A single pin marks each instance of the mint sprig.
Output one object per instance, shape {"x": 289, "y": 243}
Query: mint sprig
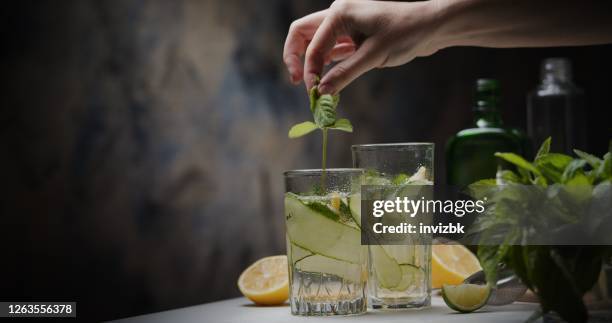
{"x": 323, "y": 108}
{"x": 559, "y": 275}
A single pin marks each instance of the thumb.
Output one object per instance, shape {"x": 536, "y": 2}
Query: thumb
{"x": 367, "y": 57}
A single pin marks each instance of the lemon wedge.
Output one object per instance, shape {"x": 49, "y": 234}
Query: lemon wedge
{"x": 452, "y": 264}
{"x": 266, "y": 281}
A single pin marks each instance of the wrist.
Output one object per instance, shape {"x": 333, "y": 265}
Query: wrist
{"x": 443, "y": 16}
{"x": 433, "y": 16}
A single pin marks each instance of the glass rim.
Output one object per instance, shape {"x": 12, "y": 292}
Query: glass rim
{"x": 318, "y": 171}
{"x": 393, "y": 146}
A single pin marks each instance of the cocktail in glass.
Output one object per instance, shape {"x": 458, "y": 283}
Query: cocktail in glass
{"x": 399, "y": 269}
{"x": 327, "y": 264}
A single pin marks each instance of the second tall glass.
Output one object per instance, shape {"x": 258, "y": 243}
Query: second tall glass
{"x": 327, "y": 264}
{"x": 398, "y": 165}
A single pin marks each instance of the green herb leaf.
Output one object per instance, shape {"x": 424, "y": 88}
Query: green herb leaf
{"x": 325, "y": 111}
{"x": 400, "y": 179}
{"x": 592, "y": 160}
{"x": 518, "y": 161}
{"x": 553, "y": 165}
{"x": 553, "y": 160}
{"x": 579, "y": 179}
{"x": 604, "y": 172}
{"x": 314, "y": 96}
{"x": 345, "y": 211}
{"x": 342, "y": 125}
{"x": 302, "y": 129}
{"x": 559, "y": 275}
{"x": 324, "y": 210}
{"x": 544, "y": 148}
{"x": 572, "y": 168}
{"x": 490, "y": 256}
{"x": 504, "y": 176}
{"x": 482, "y": 188}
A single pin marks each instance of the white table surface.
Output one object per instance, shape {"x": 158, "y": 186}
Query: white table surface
{"x": 241, "y": 310}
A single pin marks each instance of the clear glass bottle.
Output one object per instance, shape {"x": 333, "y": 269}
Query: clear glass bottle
{"x": 470, "y": 153}
{"x": 554, "y": 108}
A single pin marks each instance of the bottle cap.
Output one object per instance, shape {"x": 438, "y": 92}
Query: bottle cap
{"x": 556, "y": 69}
{"x": 487, "y": 93}
{"x": 483, "y": 85}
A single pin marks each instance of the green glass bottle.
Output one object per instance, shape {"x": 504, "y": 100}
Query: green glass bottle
{"x": 469, "y": 154}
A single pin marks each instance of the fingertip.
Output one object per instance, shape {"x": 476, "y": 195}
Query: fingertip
{"x": 295, "y": 79}
{"x": 326, "y": 88}
{"x": 307, "y": 87}
{"x": 309, "y": 80}
{"x": 294, "y": 76}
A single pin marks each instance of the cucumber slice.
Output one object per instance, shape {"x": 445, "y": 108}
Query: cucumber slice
{"x": 354, "y": 202}
{"x": 298, "y": 253}
{"x": 411, "y": 276}
{"x": 388, "y": 272}
{"x": 319, "y": 234}
{"x": 403, "y": 254}
{"x": 320, "y": 264}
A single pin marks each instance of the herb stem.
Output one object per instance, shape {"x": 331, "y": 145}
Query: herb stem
{"x": 324, "y": 161}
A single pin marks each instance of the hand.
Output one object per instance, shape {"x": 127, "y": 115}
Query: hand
{"x": 360, "y": 35}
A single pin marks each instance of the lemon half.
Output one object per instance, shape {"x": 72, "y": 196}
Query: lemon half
{"x": 452, "y": 264}
{"x": 266, "y": 282}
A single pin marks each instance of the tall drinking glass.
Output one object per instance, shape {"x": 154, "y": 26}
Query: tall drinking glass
{"x": 399, "y": 275}
{"x": 327, "y": 264}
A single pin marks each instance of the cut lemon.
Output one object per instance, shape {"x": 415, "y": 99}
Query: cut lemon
{"x": 266, "y": 281}
{"x": 452, "y": 264}
{"x": 466, "y": 298}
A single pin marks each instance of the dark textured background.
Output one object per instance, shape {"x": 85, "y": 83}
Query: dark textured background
{"x": 143, "y": 142}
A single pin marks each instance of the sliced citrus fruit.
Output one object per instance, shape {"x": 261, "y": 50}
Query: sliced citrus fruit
{"x": 466, "y": 298}
{"x": 266, "y": 281}
{"x": 452, "y": 264}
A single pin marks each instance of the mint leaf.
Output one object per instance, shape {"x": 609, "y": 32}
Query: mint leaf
{"x": 490, "y": 256}
{"x": 592, "y": 160}
{"x": 518, "y": 161}
{"x": 313, "y": 96}
{"x": 572, "y": 168}
{"x": 342, "y": 125}
{"x": 323, "y": 210}
{"x": 325, "y": 111}
{"x": 504, "y": 176}
{"x": 553, "y": 165}
{"x": 604, "y": 172}
{"x": 554, "y": 160}
{"x": 302, "y": 129}
{"x": 580, "y": 180}
{"x": 323, "y": 108}
{"x": 544, "y": 148}
{"x": 400, "y": 179}
{"x": 345, "y": 212}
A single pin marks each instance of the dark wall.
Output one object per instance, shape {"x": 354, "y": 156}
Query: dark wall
{"x": 143, "y": 142}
